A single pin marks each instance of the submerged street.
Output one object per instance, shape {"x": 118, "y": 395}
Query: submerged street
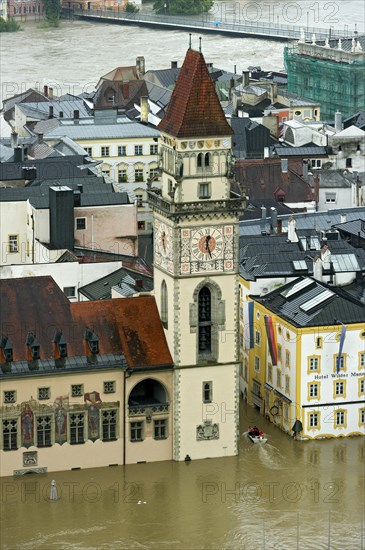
{"x": 284, "y": 494}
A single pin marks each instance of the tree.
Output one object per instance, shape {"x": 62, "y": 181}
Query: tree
{"x": 186, "y": 7}
{"x": 131, "y": 8}
{"x": 53, "y": 10}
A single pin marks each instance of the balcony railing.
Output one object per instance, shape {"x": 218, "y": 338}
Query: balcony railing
{"x": 143, "y": 410}
{"x": 190, "y": 208}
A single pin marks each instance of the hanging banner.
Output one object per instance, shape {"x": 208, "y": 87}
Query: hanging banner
{"x": 270, "y": 332}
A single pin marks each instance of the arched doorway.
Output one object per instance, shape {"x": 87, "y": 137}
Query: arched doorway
{"x": 148, "y": 394}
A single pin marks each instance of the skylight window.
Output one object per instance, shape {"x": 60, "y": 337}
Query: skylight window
{"x": 299, "y": 265}
{"x": 297, "y": 287}
{"x": 317, "y": 300}
{"x": 345, "y": 262}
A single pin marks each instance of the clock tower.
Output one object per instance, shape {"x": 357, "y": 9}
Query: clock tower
{"x": 196, "y": 264}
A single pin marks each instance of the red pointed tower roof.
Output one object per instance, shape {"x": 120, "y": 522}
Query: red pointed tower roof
{"x": 194, "y": 109}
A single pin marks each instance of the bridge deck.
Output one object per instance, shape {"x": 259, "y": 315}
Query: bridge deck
{"x": 205, "y": 23}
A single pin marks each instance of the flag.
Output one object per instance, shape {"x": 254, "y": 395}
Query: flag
{"x": 342, "y": 340}
{"x": 271, "y": 339}
{"x": 248, "y": 325}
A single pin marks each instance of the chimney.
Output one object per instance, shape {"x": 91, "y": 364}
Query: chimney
{"x": 292, "y": 233}
{"x": 18, "y": 154}
{"x": 231, "y": 86}
{"x": 280, "y": 227}
{"x": 144, "y": 109}
{"x": 326, "y": 257}
{"x": 210, "y": 67}
{"x": 263, "y": 212}
{"x": 139, "y": 284}
{"x": 338, "y": 122}
{"x": 266, "y": 152}
{"x": 14, "y": 140}
{"x": 50, "y": 113}
{"x": 316, "y": 191}
{"x": 317, "y": 269}
{"x": 45, "y": 90}
{"x": 50, "y": 93}
{"x": 40, "y": 138}
{"x": 274, "y": 220}
{"x": 343, "y": 218}
{"x": 284, "y": 166}
{"x": 245, "y": 78}
{"x": 29, "y": 173}
{"x": 77, "y": 198}
{"x": 80, "y": 187}
{"x": 76, "y": 114}
{"x": 61, "y": 217}
{"x": 173, "y": 64}
{"x": 305, "y": 170}
{"x": 273, "y": 92}
{"x": 140, "y": 66}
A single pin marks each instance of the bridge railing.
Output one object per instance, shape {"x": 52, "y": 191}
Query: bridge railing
{"x": 206, "y": 21}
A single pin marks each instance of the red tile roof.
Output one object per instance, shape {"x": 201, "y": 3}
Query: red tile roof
{"x": 131, "y": 326}
{"x": 194, "y": 109}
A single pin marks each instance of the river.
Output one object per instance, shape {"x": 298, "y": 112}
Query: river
{"x": 283, "y": 495}
{"x": 72, "y": 57}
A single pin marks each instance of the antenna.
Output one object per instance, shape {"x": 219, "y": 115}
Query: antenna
{"x": 189, "y": 40}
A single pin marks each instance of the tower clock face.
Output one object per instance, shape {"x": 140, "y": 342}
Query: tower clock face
{"x": 164, "y": 239}
{"x": 207, "y": 244}
{"x": 163, "y": 245}
{"x": 207, "y": 249}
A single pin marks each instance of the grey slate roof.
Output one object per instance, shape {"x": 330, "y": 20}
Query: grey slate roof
{"x": 123, "y": 278}
{"x": 66, "y": 107}
{"x": 284, "y": 152}
{"x": 166, "y": 77}
{"x": 334, "y": 179}
{"x": 126, "y": 129}
{"x": 264, "y": 256}
{"x": 340, "y": 306}
{"x": 354, "y": 227}
{"x": 95, "y": 192}
{"x": 306, "y": 220}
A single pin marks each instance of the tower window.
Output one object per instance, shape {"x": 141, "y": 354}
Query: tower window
{"x": 207, "y": 160}
{"x": 164, "y": 304}
{"x": 204, "y": 190}
{"x": 207, "y": 392}
{"x": 200, "y": 160}
{"x": 205, "y": 321}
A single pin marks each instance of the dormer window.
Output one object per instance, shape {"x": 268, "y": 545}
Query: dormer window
{"x": 92, "y": 340}
{"x": 34, "y": 346}
{"x": 7, "y": 349}
{"x": 61, "y": 343}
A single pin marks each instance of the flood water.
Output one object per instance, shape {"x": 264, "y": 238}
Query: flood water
{"x": 72, "y": 57}
{"x": 283, "y": 495}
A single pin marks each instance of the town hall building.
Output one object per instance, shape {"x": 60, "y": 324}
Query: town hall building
{"x": 140, "y": 379}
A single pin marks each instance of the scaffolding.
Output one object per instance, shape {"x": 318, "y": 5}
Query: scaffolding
{"x": 334, "y": 78}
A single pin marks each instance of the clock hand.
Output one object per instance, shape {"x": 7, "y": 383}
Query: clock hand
{"x": 207, "y": 245}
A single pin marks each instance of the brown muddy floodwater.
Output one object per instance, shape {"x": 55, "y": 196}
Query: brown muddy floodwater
{"x": 284, "y": 495}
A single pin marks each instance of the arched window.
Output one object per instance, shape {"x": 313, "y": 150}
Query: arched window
{"x": 207, "y": 159}
{"x": 205, "y": 320}
{"x": 200, "y": 160}
{"x": 164, "y": 304}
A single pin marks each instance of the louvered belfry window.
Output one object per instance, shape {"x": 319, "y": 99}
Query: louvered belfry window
{"x": 205, "y": 320}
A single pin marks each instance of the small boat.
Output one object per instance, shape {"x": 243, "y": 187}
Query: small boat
{"x": 256, "y": 435}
